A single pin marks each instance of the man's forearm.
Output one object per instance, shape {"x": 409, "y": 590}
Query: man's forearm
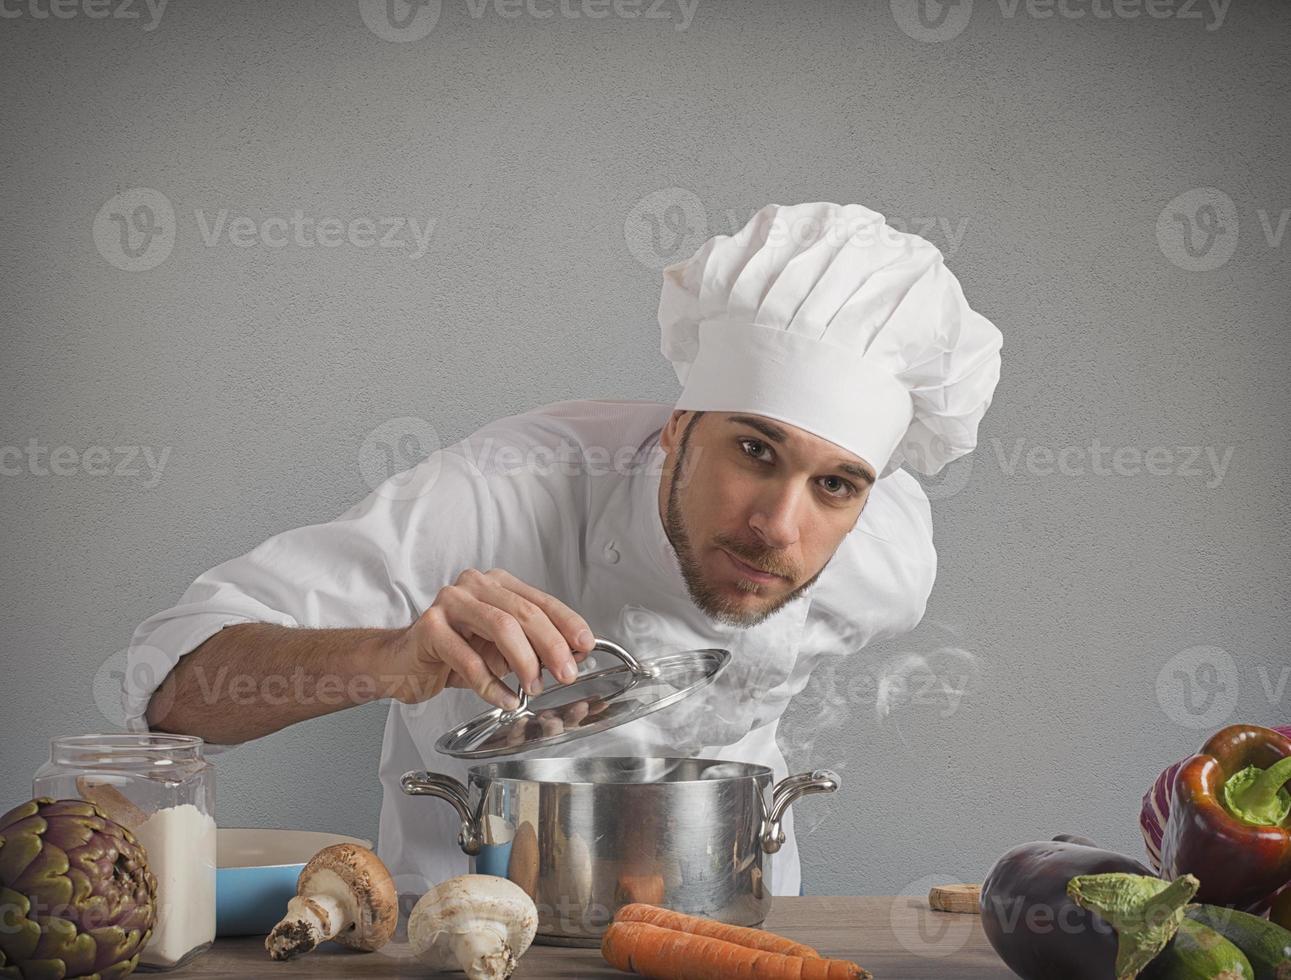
{"x": 252, "y": 679}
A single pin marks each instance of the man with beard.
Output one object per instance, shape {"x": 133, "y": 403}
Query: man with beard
{"x": 765, "y": 513}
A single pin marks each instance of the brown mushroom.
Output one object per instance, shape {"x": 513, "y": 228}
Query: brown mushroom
{"x": 344, "y": 894}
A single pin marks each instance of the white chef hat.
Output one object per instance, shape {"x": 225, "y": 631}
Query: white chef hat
{"x": 825, "y": 317}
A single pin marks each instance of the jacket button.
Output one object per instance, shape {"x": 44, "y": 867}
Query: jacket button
{"x": 611, "y": 554}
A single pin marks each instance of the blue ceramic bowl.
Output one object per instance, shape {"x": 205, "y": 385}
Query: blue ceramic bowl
{"x": 256, "y": 875}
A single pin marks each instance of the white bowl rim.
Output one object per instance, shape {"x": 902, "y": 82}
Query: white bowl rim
{"x": 319, "y": 835}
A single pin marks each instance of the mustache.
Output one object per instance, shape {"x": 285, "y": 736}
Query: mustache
{"x": 764, "y": 559}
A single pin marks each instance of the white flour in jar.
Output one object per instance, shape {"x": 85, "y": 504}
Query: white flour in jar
{"x": 180, "y": 841}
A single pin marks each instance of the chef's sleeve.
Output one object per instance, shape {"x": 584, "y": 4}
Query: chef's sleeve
{"x": 377, "y": 565}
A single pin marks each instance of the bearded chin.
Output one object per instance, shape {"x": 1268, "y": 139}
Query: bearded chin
{"x": 710, "y": 601}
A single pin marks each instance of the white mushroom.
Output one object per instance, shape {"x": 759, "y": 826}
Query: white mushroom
{"x": 478, "y": 924}
{"x": 346, "y": 894}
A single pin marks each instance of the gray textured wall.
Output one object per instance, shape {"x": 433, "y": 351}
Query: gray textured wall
{"x": 1115, "y": 607}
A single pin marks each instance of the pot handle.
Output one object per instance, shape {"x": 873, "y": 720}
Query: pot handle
{"x": 785, "y": 792}
{"x": 447, "y": 788}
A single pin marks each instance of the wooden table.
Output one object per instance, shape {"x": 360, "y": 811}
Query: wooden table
{"x": 890, "y": 937}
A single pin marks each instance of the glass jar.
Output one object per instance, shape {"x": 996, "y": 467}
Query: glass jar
{"x": 162, "y": 789}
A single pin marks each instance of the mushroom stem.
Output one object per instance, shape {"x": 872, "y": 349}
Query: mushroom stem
{"x": 343, "y": 893}
{"x": 484, "y": 954}
{"x": 310, "y": 920}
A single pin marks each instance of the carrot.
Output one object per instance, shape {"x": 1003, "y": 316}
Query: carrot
{"x": 768, "y": 942}
{"x": 665, "y": 954}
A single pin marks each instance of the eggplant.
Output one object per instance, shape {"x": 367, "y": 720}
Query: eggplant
{"x": 1034, "y": 918}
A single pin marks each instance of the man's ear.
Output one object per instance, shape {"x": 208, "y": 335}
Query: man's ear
{"x": 672, "y": 429}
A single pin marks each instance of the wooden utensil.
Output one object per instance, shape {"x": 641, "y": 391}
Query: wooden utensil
{"x": 956, "y": 898}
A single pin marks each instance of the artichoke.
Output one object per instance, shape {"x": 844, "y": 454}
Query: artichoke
{"x": 76, "y": 896}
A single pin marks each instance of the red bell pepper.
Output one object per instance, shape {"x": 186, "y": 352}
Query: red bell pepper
{"x": 1230, "y": 818}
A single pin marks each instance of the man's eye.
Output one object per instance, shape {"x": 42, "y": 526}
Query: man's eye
{"x": 848, "y": 489}
{"x": 746, "y": 443}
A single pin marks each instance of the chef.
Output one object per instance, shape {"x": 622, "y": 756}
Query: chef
{"x": 766, "y": 513}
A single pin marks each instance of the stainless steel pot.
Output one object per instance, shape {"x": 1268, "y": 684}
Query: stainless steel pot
{"x": 585, "y": 836}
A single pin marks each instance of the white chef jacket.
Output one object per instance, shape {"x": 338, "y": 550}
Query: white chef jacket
{"x": 565, "y": 497}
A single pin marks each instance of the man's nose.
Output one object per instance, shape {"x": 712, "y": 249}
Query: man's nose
{"x": 775, "y": 518}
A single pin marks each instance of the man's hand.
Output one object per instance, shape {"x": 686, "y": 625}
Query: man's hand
{"x": 482, "y": 627}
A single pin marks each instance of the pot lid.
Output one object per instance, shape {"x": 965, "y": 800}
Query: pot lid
{"x": 594, "y": 702}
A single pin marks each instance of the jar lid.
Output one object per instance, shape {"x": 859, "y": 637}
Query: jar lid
{"x": 594, "y": 702}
